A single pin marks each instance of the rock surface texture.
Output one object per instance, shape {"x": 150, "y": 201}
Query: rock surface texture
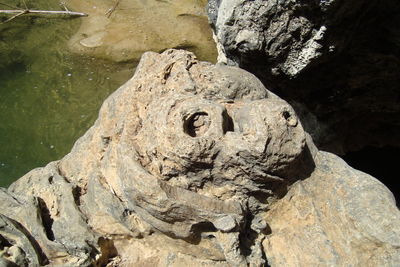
{"x": 194, "y": 164}
{"x": 337, "y": 62}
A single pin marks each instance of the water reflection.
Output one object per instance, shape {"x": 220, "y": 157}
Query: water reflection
{"x": 48, "y": 97}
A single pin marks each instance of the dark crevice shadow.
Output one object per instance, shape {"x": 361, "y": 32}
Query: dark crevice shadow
{"x": 46, "y": 219}
{"x": 381, "y": 163}
{"x": 41, "y": 256}
{"x": 300, "y": 169}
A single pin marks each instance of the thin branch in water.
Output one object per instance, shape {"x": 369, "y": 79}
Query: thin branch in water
{"x": 111, "y": 10}
{"x": 19, "y": 12}
{"x": 64, "y": 6}
{"x": 26, "y": 7}
{"x": 15, "y": 16}
{"x": 41, "y": 13}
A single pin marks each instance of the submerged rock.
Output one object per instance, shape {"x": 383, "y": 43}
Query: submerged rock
{"x": 194, "y": 164}
{"x": 123, "y": 30}
{"x": 337, "y": 62}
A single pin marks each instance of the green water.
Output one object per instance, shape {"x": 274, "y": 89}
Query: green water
{"x": 48, "y": 96}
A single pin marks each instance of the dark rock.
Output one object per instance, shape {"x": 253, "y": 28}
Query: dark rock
{"x": 337, "y": 62}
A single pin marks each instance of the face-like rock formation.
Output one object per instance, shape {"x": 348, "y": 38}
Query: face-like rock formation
{"x": 187, "y": 164}
{"x": 197, "y": 141}
{"x": 185, "y": 148}
{"x": 203, "y": 142}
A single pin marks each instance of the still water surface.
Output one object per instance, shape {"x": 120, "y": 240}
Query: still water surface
{"x": 48, "y": 96}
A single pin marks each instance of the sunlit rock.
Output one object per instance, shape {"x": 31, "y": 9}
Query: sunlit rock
{"x": 195, "y": 164}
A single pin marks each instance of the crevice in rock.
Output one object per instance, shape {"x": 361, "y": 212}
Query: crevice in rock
{"x": 108, "y": 252}
{"x": 42, "y": 258}
{"x": 381, "y": 163}
{"x": 198, "y": 229}
{"x": 247, "y": 237}
{"x": 62, "y": 173}
{"x": 107, "y": 186}
{"x": 46, "y": 219}
{"x": 198, "y": 166}
{"x": 77, "y": 193}
{"x": 4, "y": 243}
{"x": 228, "y": 122}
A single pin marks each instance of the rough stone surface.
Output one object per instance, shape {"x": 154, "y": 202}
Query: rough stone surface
{"x": 337, "y": 62}
{"x": 194, "y": 164}
{"x": 334, "y": 218}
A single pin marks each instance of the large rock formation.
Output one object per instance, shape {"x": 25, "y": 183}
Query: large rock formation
{"x": 194, "y": 164}
{"x": 337, "y": 62}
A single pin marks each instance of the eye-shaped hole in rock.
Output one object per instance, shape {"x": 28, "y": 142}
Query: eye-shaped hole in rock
{"x": 227, "y": 122}
{"x": 291, "y": 120}
{"x": 196, "y": 124}
{"x": 286, "y": 115}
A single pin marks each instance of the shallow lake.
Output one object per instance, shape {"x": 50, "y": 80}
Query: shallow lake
{"x": 48, "y": 96}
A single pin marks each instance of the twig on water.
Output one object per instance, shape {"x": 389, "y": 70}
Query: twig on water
{"x": 111, "y": 10}
{"x": 17, "y": 12}
{"x": 26, "y": 7}
{"x": 15, "y": 16}
{"x": 64, "y": 6}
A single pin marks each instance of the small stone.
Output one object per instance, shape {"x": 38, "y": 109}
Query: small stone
{"x": 225, "y": 224}
{"x": 258, "y": 223}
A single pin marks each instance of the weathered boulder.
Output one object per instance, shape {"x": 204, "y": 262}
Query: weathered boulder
{"x": 191, "y": 163}
{"x": 334, "y": 218}
{"x": 337, "y": 62}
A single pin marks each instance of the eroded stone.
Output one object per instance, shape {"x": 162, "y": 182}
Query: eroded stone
{"x": 187, "y": 164}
